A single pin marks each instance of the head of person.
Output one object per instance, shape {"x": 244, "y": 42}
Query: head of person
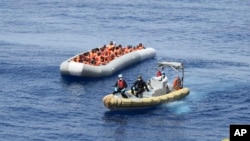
{"x": 163, "y": 75}
{"x": 120, "y": 76}
{"x": 139, "y": 77}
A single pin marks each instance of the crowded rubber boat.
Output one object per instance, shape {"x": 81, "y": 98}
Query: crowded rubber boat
{"x": 105, "y": 60}
{"x": 157, "y": 91}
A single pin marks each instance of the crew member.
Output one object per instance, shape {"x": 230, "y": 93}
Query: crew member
{"x": 120, "y": 86}
{"x": 139, "y": 86}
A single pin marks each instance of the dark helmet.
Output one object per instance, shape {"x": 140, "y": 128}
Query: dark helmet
{"x": 139, "y": 77}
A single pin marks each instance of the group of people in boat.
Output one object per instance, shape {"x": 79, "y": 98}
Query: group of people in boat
{"x": 139, "y": 86}
{"x": 105, "y": 54}
{"x": 177, "y": 83}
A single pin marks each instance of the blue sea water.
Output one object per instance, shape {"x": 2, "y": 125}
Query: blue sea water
{"x": 211, "y": 38}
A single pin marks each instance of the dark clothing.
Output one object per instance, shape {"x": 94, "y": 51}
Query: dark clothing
{"x": 139, "y": 87}
{"x": 120, "y": 85}
{"x": 119, "y": 90}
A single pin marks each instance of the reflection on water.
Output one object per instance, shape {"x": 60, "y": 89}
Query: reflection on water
{"x": 140, "y": 124}
{"x": 120, "y": 121}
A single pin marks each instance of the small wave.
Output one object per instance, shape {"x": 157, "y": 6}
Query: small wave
{"x": 177, "y": 107}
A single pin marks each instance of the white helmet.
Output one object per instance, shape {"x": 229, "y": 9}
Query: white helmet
{"x": 120, "y": 75}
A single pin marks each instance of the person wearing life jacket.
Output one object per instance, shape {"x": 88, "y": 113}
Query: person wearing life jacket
{"x": 120, "y": 50}
{"x": 111, "y": 45}
{"x": 158, "y": 73}
{"x": 102, "y": 51}
{"x": 126, "y": 50}
{"x": 139, "y": 86}
{"x": 140, "y": 46}
{"x": 102, "y": 61}
{"x": 92, "y": 53}
{"x": 98, "y": 59}
{"x": 115, "y": 51}
{"x": 120, "y": 86}
{"x": 112, "y": 55}
{"x": 86, "y": 58}
{"x": 106, "y": 54}
{"x": 134, "y": 48}
{"x": 176, "y": 83}
{"x": 77, "y": 59}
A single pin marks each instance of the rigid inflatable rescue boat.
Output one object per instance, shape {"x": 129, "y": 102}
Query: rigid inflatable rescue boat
{"x": 159, "y": 92}
{"x": 105, "y": 61}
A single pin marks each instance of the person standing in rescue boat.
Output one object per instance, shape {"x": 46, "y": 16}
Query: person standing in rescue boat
{"x": 120, "y": 86}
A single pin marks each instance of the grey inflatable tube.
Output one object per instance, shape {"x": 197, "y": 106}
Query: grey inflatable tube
{"x": 84, "y": 70}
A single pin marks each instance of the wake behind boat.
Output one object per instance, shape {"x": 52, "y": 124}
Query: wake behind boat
{"x": 160, "y": 92}
{"x": 106, "y": 60}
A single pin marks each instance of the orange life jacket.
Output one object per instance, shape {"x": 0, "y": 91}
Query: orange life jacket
{"x": 110, "y": 46}
{"x": 77, "y": 59}
{"x": 112, "y": 56}
{"x": 177, "y": 83}
{"x": 158, "y": 73}
{"x": 120, "y": 84}
{"x": 120, "y": 51}
{"x": 141, "y": 47}
{"x": 126, "y": 50}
